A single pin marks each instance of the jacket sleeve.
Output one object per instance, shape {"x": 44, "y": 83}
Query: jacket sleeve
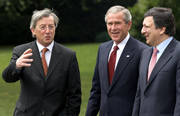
{"x": 177, "y": 106}
{"x": 10, "y": 73}
{"x": 74, "y": 89}
{"x": 136, "y": 102}
{"x": 95, "y": 94}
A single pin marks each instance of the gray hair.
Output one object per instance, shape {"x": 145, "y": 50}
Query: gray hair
{"x": 118, "y": 8}
{"x": 39, "y": 14}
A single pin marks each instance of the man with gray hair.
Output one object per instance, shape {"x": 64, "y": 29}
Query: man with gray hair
{"x": 116, "y": 73}
{"x": 48, "y": 72}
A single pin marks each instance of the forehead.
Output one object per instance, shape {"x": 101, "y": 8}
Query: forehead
{"x": 46, "y": 20}
{"x": 148, "y": 21}
{"x": 115, "y": 16}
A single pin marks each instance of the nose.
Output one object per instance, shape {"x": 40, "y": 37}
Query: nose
{"x": 114, "y": 26}
{"x": 143, "y": 30}
{"x": 47, "y": 30}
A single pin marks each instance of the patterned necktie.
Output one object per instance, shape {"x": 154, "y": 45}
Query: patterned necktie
{"x": 44, "y": 63}
{"x": 111, "y": 63}
{"x": 152, "y": 62}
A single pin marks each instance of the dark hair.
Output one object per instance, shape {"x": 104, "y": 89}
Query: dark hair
{"x": 163, "y": 17}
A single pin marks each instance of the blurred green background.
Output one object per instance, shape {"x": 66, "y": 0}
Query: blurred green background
{"x": 80, "y": 20}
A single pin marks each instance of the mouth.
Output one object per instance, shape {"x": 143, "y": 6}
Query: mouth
{"x": 48, "y": 37}
{"x": 115, "y": 33}
{"x": 147, "y": 38}
{"x": 145, "y": 35}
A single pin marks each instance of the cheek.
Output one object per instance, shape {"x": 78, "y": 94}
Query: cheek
{"x": 38, "y": 32}
{"x": 108, "y": 28}
{"x": 54, "y": 32}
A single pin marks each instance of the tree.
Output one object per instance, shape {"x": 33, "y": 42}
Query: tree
{"x": 80, "y": 20}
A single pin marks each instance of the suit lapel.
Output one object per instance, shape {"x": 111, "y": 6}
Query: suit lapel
{"x": 105, "y": 63}
{"x": 165, "y": 57}
{"x": 37, "y": 64}
{"x": 145, "y": 65}
{"x": 126, "y": 56}
{"x": 54, "y": 61}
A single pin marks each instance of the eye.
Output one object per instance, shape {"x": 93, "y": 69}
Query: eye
{"x": 110, "y": 24}
{"x": 117, "y": 23}
{"x": 51, "y": 27}
{"x": 42, "y": 27}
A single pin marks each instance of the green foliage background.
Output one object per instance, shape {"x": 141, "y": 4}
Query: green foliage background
{"x": 80, "y": 20}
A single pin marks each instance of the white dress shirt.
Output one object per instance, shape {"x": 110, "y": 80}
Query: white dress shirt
{"x": 48, "y": 53}
{"x": 121, "y": 46}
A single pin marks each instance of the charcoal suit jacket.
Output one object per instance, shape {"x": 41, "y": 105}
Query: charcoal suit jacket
{"x": 57, "y": 94}
{"x": 160, "y": 96}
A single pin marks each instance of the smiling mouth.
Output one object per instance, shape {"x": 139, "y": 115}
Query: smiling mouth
{"x": 115, "y": 32}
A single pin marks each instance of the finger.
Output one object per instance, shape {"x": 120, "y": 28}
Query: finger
{"x": 27, "y": 60}
{"x": 25, "y": 64}
{"x": 28, "y": 51}
{"x": 27, "y": 55}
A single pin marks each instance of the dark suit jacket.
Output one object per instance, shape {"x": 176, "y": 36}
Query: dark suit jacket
{"x": 57, "y": 94}
{"x": 160, "y": 96}
{"x": 116, "y": 99}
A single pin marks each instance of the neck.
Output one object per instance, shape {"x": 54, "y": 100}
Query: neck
{"x": 162, "y": 38}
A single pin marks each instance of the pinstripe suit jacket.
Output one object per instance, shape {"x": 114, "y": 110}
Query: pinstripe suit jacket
{"x": 57, "y": 94}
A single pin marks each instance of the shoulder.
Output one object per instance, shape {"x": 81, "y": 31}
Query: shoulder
{"x": 61, "y": 48}
{"x": 24, "y": 45}
{"x": 21, "y": 48}
{"x": 138, "y": 43}
{"x": 106, "y": 44}
{"x": 176, "y": 46}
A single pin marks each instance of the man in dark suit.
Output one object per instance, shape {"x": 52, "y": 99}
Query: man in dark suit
{"x": 114, "y": 86}
{"x": 158, "y": 92}
{"x": 56, "y": 92}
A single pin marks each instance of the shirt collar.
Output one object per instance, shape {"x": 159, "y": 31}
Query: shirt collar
{"x": 122, "y": 43}
{"x": 40, "y": 46}
{"x": 162, "y": 46}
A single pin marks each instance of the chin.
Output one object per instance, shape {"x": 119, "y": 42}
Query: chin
{"x": 48, "y": 40}
{"x": 115, "y": 38}
{"x": 149, "y": 43}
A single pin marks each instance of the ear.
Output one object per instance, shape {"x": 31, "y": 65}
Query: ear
{"x": 129, "y": 25}
{"x": 33, "y": 31}
{"x": 162, "y": 31}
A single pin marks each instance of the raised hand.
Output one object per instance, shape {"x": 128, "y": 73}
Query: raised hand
{"x": 24, "y": 60}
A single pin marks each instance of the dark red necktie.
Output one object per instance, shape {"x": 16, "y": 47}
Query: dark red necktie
{"x": 111, "y": 63}
{"x": 44, "y": 63}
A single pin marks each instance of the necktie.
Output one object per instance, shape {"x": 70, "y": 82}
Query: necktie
{"x": 152, "y": 62}
{"x": 111, "y": 63}
{"x": 44, "y": 63}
